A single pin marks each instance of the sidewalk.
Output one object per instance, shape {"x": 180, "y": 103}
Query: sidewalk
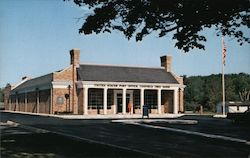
{"x": 111, "y": 116}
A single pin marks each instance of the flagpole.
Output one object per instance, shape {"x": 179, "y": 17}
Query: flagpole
{"x": 223, "y": 79}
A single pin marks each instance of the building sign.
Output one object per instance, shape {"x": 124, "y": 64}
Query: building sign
{"x": 59, "y": 100}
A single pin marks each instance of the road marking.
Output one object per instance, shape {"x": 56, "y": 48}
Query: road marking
{"x": 193, "y": 133}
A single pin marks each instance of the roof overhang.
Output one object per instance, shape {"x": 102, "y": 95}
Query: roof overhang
{"x": 32, "y": 89}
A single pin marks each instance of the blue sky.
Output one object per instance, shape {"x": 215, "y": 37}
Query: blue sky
{"x": 36, "y": 36}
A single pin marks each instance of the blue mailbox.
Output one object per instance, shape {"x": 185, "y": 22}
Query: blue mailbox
{"x": 145, "y": 111}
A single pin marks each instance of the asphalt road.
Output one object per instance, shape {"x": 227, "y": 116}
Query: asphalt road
{"x": 156, "y": 142}
{"x": 210, "y": 125}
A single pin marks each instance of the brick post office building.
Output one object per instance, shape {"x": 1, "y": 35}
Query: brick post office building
{"x": 99, "y": 89}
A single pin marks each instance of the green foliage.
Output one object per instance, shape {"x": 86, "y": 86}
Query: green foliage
{"x": 207, "y": 91}
{"x": 184, "y": 18}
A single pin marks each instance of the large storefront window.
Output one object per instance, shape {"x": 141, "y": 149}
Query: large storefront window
{"x": 95, "y": 99}
{"x": 110, "y": 98}
{"x": 151, "y": 98}
{"x": 137, "y": 103}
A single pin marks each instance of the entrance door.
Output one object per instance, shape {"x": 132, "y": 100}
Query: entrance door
{"x": 118, "y": 99}
{"x": 119, "y": 102}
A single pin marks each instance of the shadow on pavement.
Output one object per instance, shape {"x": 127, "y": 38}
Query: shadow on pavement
{"x": 17, "y": 143}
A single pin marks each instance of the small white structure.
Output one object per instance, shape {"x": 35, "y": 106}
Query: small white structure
{"x": 233, "y": 107}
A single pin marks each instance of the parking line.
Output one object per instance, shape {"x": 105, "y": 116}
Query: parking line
{"x": 193, "y": 133}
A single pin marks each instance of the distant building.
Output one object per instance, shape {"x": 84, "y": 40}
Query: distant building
{"x": 233, "y": 106}
{"x": 99, "y": 89}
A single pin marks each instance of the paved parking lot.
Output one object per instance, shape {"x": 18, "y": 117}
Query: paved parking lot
{"x": 150, "y": 141}
{"x": 19, "y": 142}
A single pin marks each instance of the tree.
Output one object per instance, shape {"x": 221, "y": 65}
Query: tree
{"x": 185, "y": 18}
{"x": 206, "y": 90}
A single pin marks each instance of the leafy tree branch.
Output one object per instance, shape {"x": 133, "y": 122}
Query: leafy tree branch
{"x": 185, "y": 18}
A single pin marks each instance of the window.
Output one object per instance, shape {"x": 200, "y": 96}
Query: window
{"x": 150, "y": 98}
{"x": 95, "y": 99}
{"x": 110, "y": 99}
{"x": 137, "y": 103}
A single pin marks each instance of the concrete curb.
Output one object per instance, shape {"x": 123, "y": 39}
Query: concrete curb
{"x": 220, "y": 116}
{"x": 184, "y": 122}
{"x": 112, "y": 116}
{"x": 32, "y": 129}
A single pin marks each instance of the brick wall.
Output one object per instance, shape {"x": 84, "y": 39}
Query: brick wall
{"x": 44, "y": 101}
{"x": 60, "y": 103}
{"x": 167, "y": 101}
{"x": 181, "y": 101}
{"x": 80, "y": 101}
{"x": 12, "y": 102}
{"x": 21, "y": 102}
{"x": 66, "y": 75}
{"x": 31, "y": 102}
{"x": 180, "y": 94}
{"x": 166, "y": 62}
{"x": 32, "y": 106}
{"x": 6, "y": 92}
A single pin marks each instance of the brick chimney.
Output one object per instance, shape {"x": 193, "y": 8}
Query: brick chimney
{"x": 75, "y": 57}
{"x": 166, "y": 62}
{"x": 6, "y": 92}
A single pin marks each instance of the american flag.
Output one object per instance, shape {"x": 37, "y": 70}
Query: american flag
{"x": 224, "y": 52}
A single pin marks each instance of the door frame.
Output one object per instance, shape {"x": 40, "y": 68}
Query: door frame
{"x": 130, "y": 92}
